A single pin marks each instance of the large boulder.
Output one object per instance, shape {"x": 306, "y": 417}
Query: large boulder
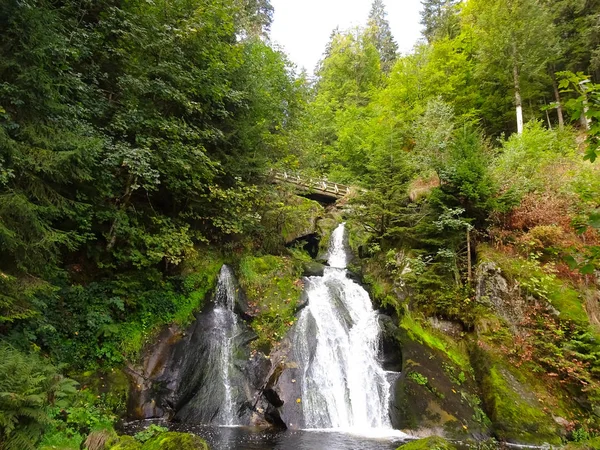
{"x": 436, "y": 392}
{"x": 512, "y": 401}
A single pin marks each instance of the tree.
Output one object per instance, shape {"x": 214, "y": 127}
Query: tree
{"x": 378, "y": 30}
{"x": 440, "y": 19}
{"x": 515, "y": 40}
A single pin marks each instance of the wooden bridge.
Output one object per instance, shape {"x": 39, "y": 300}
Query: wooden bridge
{"x": 324, "y": 189}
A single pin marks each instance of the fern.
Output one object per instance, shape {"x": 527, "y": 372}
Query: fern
{"x": 29, "y": 386}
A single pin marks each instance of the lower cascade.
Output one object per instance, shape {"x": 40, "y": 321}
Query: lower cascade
{"x": 343, "y": 384}
{"x": 226, "y": 327}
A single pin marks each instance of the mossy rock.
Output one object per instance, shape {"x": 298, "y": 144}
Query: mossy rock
{"x": 125, "y": 443}
{"x": 430, "y": 443}
{"x": 300, "y": 216}
{"x": 511, "y": 400}
{"x": 273, "y": 288}
{"x": 592, "y": 444}
{"x": 436, "y": 389}
{"x": 175, "y": 441}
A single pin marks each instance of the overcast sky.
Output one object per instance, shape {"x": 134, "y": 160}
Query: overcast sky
{"x": 303, "y": 27}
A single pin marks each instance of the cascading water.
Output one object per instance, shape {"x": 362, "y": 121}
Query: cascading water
{"x": 226, "y": 326}
{"x": 343, "y": 384}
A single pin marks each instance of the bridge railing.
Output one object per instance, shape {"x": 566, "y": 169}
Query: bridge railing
{"x": 323, "y": 186}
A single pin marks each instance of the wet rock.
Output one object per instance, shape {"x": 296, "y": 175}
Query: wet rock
{"x": 434, "y": 393}
{"x": 448, "y": 327}
{"x": 391, "y": 353}
{"x": 144, "y": 402}
{"x": 313, "y": 269}
{"x": 302, "y": 302}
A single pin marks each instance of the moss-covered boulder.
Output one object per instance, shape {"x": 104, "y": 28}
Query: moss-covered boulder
{"x": 436, "y": 391}
{"x": 512, "y": 401}
{"x": 125, "y": 443}
{"x": 430, "y": 443}
{"x": 175, "y": 441}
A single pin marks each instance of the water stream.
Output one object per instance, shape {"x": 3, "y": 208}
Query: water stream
{"x": 226, "y": 325}
{"x": 343, "y": 384}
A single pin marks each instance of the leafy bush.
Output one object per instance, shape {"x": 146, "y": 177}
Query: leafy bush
{"x": 29, "y": 388}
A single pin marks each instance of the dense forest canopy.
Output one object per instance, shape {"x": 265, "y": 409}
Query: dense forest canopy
{"x": 135, "y": 136}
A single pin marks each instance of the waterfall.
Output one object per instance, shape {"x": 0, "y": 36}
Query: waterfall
{"x": 226, "y": 327}
{"x": 343, "y": 384}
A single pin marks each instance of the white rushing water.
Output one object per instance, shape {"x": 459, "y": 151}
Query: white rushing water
{"x": 343, "y": 383}
{"x": 226, "y": 324}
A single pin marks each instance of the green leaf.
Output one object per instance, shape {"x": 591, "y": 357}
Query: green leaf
{"x": 588, "y": 269}
{"x": 571, "y": 262}
{"x": 595, "y": 220}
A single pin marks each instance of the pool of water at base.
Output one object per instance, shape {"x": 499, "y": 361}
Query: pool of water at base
{"x": 244, "y": 438}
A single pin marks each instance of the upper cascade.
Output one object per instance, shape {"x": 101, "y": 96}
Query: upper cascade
{"x": 337, "y": 254}
{"x": 343, "y": 384}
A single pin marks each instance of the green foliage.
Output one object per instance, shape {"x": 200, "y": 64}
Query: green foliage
{"x": 584, "y": 104}
{"x": 418, "y": 378}
{"x": 273, "y": 287}
{"x": 29, "y": 388}
{"x": 150, "y": 432}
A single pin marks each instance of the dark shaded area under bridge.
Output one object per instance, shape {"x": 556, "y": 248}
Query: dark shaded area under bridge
{"x": 322, "y": 191}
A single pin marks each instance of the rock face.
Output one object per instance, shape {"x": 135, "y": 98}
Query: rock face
{"x": 493, "y": 289}
{"x": 512, "y": 403}
{"x": 176, "y": 378}
{"x": 434, "y": 395}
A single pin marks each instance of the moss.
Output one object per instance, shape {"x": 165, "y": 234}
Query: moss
{"x": 430, "y": 443}
{"x": 437, "y": 388}
{"x": 300, "y": 217}
{"x": 436, "y": 341}
{"x": 512, "y": 402}
{"x": 175, "y": 441}
{"x": 200, "y": 277}
{"x": 592, "y": 444}
{"x": 273, "y": 287}
{"x": 125, "y": 443}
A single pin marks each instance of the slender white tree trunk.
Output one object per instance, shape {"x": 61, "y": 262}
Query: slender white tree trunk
{"x": 518, "y": 101}
{"x": 559, "y": 111}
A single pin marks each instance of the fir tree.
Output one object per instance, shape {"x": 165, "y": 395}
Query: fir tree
{"x": 439, "y": 19}
{"x": 381, "y": 34}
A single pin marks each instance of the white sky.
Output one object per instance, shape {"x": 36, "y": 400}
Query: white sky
{"x": 303, "y": 27}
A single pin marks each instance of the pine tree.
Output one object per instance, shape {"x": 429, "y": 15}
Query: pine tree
{"x": 381, "y": 34}
{"x": 439, "y": 19}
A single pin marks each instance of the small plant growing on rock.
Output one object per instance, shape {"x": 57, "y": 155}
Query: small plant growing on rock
{"x": 149, "y": 433}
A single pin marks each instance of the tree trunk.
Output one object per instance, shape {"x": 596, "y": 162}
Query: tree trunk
{"x": 559, "y": 111}
{"x": 518, "y": 101}
{"x": 469, "y": 267}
